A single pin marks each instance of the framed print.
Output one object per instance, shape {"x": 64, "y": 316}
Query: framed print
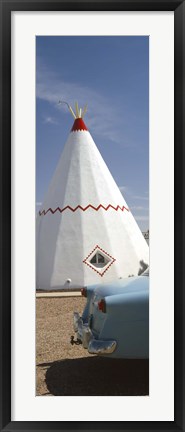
{"x": 126, "y": 61}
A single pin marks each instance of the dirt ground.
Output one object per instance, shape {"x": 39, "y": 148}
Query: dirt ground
{"x": 68, "y": 370}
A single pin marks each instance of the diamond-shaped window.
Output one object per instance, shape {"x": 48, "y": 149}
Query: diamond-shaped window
{"x": 99, "y": 260}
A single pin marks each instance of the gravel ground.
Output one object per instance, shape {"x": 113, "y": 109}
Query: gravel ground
{"x": 68, "y": 370}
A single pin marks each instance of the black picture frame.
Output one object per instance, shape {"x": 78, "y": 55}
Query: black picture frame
{"x": 6, "y": 7}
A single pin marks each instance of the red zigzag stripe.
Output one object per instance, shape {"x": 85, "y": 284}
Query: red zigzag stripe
{"x": 44, "y": 212}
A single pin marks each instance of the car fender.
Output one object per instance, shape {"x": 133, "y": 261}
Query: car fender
{"x": 127, "y": 317}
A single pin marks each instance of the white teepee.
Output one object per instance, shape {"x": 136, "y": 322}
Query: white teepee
{"x": 86, "y": 233}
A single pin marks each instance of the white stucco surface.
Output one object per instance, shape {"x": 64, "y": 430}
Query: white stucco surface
{"x": 66, "y": 237}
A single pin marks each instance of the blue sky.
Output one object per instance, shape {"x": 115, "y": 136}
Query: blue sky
{"x": 111, "y": 75}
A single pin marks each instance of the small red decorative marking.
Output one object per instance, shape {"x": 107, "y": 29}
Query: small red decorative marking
{"x": 92, "y": 267}
{"x": 78, "y": 125}
{"x": 61, "y": 210}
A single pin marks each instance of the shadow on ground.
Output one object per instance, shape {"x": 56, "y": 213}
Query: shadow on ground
{"x": 96, "y": 376}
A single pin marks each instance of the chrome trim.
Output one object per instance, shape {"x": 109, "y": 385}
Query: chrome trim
{"x": 101, "y": 346}
{"x": 76, "y": 319}
{"x": 86, "y": 336}
{"x": 94, "y": 346}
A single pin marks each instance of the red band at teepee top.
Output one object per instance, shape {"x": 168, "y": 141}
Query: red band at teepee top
{"x": 78, "y": 125}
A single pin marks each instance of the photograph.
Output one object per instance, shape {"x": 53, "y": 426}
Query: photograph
{"x": 92, "y": 216}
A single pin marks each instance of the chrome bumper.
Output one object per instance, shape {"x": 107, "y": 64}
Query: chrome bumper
{"x": 94, "y": 346}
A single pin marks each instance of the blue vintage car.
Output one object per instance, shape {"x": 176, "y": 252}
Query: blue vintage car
{"x": 115, "y": 321}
